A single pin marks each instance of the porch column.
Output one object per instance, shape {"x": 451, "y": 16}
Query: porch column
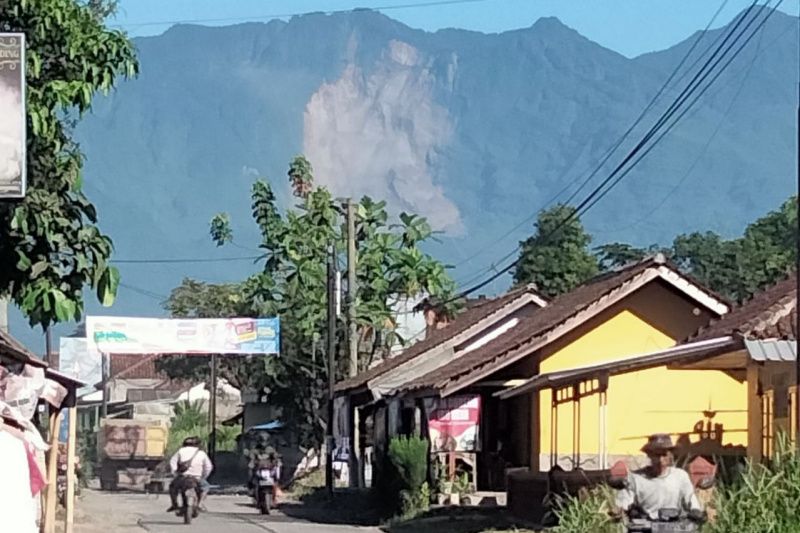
{"x": 49, "y": 525}
{"x": 69, "y": 521}
{"x": 754, "y": 416}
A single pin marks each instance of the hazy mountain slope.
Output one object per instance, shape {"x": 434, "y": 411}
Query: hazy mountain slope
{"x": 475, "y": 131}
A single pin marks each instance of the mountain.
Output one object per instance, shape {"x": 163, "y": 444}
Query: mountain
{"x": 475, "y": 131}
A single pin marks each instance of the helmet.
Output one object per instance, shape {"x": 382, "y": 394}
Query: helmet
{"x": 192, "y": 441}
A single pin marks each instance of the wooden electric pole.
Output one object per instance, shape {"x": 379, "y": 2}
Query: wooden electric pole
{"x": 331, "y": 283}
{"x": 352, "y": 289}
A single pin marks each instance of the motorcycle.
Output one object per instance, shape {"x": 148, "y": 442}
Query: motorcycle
{"x": 669, "y": 521}
{"x": 189, "y": 501}
{"x": 264, "y": 489}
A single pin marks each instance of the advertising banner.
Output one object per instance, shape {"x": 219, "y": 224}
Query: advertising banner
{"x": 76, "y": 360}
{"x": 12, "y": 115}
{"x": 229, "y": 336}
{"x": 453, "y": 423}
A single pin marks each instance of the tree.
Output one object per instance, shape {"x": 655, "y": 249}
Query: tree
{"x": 736, "y": 268}
{"x": 557, "y": 257}
{"x": 292, "y": 285}
{"x": 50, "y": 245}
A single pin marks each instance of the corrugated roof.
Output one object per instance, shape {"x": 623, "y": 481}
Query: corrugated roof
{"x": 771, "y": 350}
{"x": 770, "y": 314}
{"x": 476, "y": 312}
{"x": 533, "y": 329}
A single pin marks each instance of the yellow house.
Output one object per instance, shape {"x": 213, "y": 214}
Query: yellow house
{"x": 759, "y": 345}
{"x": 574, "y": 376}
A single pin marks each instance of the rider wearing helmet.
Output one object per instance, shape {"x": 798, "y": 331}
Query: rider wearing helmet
{"x": 191, "y": 461}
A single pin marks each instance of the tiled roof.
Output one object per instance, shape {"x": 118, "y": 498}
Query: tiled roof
{"x": 770, "y": 314}
{"x": 533, "y": 328}
{"x": 477, "y": 310}
{"x": 134, "y": 366}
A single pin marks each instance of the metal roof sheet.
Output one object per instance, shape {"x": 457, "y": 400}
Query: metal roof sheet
{"x": 771, "y": 350}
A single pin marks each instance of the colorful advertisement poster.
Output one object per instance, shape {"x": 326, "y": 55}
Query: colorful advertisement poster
{"x": 453, "y": 424}
{"x": 12, "y": 115}
{"x": 226, "y": 336}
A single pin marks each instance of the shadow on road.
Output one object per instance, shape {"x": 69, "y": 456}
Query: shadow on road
{"x": 347, "y": 508}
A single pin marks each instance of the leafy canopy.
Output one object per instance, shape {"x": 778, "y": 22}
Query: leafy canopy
{"x": 556, "y": 258}
{"x": 50, "y": 245}
{"x": 292, "y": 285}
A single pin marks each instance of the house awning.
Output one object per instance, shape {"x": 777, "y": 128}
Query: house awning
{"x": 620, "y": 366}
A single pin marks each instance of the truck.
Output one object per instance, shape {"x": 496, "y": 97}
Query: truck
{"x": 131, "y": 452}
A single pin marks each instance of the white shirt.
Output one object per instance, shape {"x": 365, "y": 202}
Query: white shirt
{"x": 671, "y": 490}
{"x": 200, "y": 467}
{"x": 17, "y": 506}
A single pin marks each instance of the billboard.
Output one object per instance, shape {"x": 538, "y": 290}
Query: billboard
{"x": 76, "y": 360}
{"x": 232, "y": 336}
{"x": 12, "y": 113}
{"x": 453, "y": 423}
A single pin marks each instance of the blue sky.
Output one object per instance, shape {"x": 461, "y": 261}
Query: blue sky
{"x": 631, "y": 27}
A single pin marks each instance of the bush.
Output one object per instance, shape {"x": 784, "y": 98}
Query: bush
{"x": 190, "y": 420}
{"x": 586, "y": 513}
{"x": 764, "y": 498}
{"x": 403, "y": 478}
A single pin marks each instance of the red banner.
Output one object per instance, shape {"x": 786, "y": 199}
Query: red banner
{"x": 453, "y": 424}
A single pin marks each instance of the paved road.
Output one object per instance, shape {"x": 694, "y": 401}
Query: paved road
{"x": 136, "y": 513}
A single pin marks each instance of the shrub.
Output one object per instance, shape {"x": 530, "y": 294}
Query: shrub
{"x": 191, "y": 420}
{"x": 588, "y": 512}
{"x": 764, "y": 498}
{"x": 406, "y": 481}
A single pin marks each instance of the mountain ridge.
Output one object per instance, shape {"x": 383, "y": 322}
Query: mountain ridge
{"x": 476, "y": 131}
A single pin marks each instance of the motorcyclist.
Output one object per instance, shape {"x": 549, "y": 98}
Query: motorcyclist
{"x": 659, "y": 485}
{"x": 190, "y": 460}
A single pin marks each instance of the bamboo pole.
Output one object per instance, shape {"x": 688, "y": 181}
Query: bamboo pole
{"x": 69, "y": 521}
{"x": 51, "y": 496}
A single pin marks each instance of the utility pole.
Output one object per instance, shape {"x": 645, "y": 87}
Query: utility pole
{"x": 352, "y": 289}
{"x": 331, "y": 283}
{"x": 353, "y": 422}
{"x": 48, "y": 346}
{"x": 797, "y": 259}
{"x": 212, "y": 409}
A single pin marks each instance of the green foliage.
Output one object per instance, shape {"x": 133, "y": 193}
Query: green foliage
{"x": 87, "y": 454}
{"x": 765, "y": 498}
{"x": 409, "y": 459}
{"x": 292, "y": 285}
{"x": 556, "y": 260}
{"x": 190, "y": 420}
{"x": 50, "y": 245}
{"x": 588, "y": 512}
{"x": 736, "y": 268}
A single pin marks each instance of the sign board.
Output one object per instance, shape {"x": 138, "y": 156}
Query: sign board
{"x": 453, "y": 424}
{"x": 12, "y": 115}
{"x": 148, "y": 336}
{"x": 76, "y": 360}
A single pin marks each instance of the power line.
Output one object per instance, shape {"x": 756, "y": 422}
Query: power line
{"x": 186, "y": 260}
{"x": 144, "y": 292}
{"x": 389, "y": 7}
{"x": 610, "y": 152}
{"x": 708, "y": 142}
{"x": 614, "y": 178}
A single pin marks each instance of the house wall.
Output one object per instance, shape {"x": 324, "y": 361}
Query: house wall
{"x": 639, "y": 403}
